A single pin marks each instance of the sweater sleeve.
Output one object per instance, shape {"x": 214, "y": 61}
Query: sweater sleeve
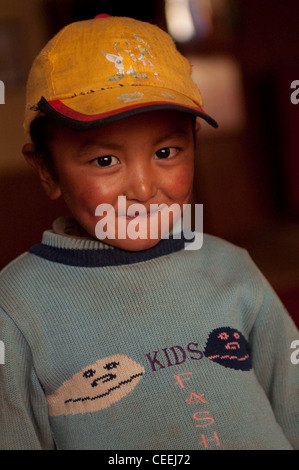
{"x": 24, "y": 423}
{"x": 271, "y": 340}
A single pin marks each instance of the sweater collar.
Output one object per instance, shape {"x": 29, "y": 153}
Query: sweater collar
{"x": 78, "y": 251}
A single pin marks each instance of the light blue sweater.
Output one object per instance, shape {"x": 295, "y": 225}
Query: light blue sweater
{"x": 161, "y": 349}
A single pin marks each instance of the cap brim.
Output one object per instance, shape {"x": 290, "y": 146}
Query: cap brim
{"x": 81, "y": 112}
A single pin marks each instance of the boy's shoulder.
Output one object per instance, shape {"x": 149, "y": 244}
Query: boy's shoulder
{"x": 214, "y": 247}
{"x": 220, "y": 244}
{"x": 17, "y": 269}
{"x": 223, "y": 255}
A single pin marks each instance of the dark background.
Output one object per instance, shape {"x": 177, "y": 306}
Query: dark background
{"x": 246, "y": 178}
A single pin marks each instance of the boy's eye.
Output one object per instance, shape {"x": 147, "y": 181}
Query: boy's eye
{"x": 107, "y": 160}
{"x": 166, "y": 152}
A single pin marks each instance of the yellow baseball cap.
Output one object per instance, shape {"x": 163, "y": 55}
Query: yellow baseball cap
{"x": 97, "y": 71}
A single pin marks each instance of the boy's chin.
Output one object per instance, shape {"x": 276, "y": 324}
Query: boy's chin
{"x": 133, "y": 245}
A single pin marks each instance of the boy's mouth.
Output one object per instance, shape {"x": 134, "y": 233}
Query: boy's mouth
{"x": 142, "y": 214}
{"x": 133, "y": 221}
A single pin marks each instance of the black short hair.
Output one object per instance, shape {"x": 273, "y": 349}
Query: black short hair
{"x": 41, "y": 133}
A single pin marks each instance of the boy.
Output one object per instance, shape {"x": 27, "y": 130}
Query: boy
{"x": 120, "y": 342}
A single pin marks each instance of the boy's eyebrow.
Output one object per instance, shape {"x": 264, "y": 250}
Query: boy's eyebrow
{"x": 172, "y": 135}
{"x": 89, "y": 145}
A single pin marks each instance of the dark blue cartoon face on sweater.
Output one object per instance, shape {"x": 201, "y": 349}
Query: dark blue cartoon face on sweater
{"x": 229, "y": 348}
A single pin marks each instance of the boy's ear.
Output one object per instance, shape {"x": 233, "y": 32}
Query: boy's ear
{"x": 50, "y": 186}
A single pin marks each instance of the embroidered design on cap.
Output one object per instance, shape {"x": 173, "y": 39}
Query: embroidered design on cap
{"x": 134, "y": 55}
{"x": 127, "y": 97}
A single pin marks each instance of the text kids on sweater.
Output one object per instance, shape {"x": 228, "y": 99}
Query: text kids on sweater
{"x": 120, "y": 331}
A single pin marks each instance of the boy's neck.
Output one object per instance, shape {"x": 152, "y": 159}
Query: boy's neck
{"x": 69, "y": 227}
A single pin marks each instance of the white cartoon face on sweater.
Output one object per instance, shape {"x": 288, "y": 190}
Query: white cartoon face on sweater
{"x": 96, "y": 386}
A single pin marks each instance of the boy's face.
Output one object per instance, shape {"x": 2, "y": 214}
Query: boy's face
{"x": 146, "y": 158}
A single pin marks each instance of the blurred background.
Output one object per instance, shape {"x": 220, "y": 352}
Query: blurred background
{"x": 245, "y": 60}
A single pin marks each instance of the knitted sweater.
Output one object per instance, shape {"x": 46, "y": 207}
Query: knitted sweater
{"x": 161, "y": 349}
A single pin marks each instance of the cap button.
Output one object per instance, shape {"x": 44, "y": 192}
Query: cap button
{"x": 102, "y": 15}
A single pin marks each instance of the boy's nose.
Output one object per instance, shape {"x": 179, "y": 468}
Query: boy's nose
{"x": 141, "y": 185}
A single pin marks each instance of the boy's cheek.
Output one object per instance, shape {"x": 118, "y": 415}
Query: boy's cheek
{"x": 180, "y": 185}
